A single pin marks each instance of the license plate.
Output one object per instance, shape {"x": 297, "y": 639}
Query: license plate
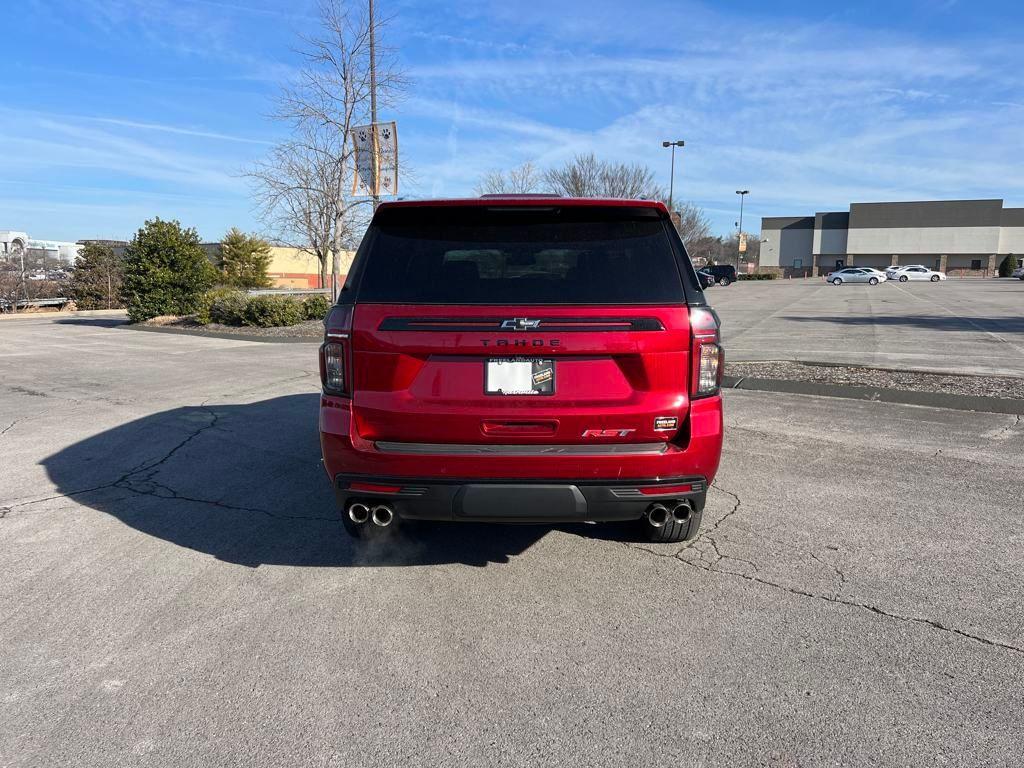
{"x": 520, "y": 376}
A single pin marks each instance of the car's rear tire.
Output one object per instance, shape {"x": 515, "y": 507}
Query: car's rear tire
{"x": 725, "y": 281}
{"x": 837, "y": 281}
{"x": 671, "y": 531}
{"x": 903, "y": 278}
{"x": 872, "y": 281}
{"x": 935, "y": 278}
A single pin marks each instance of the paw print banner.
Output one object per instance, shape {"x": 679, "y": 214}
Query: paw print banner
{"x": 376, "y": 155}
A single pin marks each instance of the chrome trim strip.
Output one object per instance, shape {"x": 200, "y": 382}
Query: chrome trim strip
{"x": 472, "y": 449}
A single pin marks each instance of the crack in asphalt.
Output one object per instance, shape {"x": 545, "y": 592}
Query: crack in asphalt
{"x": 139, "y": 480}
{"x": 713, "y": 567}
{"x": 832, "y": 567}
{"x": 1001, "y": 433}
{"x": 854, "y": 604}
{"x": 274, "y": 384}
{"x": 723, "y": 518}
{"x": 9, "y": 427}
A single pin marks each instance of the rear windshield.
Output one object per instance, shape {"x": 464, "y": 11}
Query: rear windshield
{"x": 548, "y": 255}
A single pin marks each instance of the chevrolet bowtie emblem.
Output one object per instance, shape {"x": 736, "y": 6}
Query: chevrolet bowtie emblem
{"x": 519, "y": 324}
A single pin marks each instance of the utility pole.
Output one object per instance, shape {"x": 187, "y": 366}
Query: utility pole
{"x": 373, "y": 107}
{"x": 739, "y": 232}
{"x": 672, "y": 174}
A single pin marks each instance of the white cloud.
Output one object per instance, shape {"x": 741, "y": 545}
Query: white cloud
{"x": 810, "y": 116}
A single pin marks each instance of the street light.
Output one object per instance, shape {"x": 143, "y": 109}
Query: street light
{"x": 739, "y": 232}
{"x": 672, "y": 177}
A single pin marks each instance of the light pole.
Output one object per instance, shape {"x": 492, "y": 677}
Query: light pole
{"x": 672, "y": 176}
{"x": 739, "y": 232}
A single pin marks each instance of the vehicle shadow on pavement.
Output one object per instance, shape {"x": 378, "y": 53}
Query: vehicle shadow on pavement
{"x": 98, "y": 322}
{"x": 244, "y": 483}
{"x": 928, "y": 322}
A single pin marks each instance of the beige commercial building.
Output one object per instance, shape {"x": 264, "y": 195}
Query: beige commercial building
{"x": 293, "y": 267}
{"x": 965, "y": 237}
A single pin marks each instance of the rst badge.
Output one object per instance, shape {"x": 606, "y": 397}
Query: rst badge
{"x": 608, "y": 432}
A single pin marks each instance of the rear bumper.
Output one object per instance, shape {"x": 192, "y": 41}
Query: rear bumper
{"x": 551, "y": 484}
{"x": 694, "y": 453}
{"x": 520, "y": 502}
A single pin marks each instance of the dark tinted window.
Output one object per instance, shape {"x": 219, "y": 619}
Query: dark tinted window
{"x": 546, "y": 255}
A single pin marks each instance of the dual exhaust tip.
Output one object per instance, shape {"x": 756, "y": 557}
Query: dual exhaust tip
{"x": 659, "y": 514}
{"x": 380, "y": 515}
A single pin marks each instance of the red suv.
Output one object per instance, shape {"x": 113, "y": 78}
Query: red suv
{"x": 522, "y": 359}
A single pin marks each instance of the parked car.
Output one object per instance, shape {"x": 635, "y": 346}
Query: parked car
{"x": 707, "y": 280}
{"x": 918, "y": 273}
{"x": 893, "y": 272}
{"x": 854, "y": 275}
{"x": 513, "y": 359}
{"x": 1018, "y": 273}
{"x": 723, "y": 274}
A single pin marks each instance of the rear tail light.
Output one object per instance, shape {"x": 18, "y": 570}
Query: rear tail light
{"x": 707, "y": 354}
{"x": 332, "y": 368}
{"x": 335, "y": 352}
{"x": 709, "y": 376}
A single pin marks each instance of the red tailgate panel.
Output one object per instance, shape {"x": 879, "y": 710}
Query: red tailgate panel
{"x": 428, "y": 385}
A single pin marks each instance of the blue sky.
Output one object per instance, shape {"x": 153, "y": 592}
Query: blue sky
{"x": 118, "y": 110}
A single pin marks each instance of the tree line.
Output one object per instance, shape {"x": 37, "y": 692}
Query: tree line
{"x": 165, "y": 269}
{"x": 587, "y": 175}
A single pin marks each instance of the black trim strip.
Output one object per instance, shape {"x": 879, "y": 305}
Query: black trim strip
{"x": 545, "y": 324}
{"x": 633, "y": 492}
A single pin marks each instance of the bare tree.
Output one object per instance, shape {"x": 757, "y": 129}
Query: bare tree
{"x": 730, "y": 250}
{"x": 300, "y": 194}
{"x": 691, "y": 223}
{"x": 705, "y": 249}
{"x": 304, "y": 187}
{"x": 11, "y": 289}
{"x": 520, "y": 180}
{"x": 586, "y": 176}
{"x": 14, "y": 285}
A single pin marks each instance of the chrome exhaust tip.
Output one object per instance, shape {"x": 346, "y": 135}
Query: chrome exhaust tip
{"x": 657, "y": 515}
{"x": 681, "y": 512}
{"x": 358, "y": 513}
{"x": 382, "y": 515}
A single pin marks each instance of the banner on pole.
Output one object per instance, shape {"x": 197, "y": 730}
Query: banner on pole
{"x": 743, "y": 242}
{"x": 376, "y": 159}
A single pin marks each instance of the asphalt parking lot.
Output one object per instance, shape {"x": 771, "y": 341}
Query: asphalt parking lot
{"x": 960, "y": 325}
{"x": 177, "y": 589}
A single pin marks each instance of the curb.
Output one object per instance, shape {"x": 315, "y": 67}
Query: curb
{"x": 221, "y": 335}
{"x": 879, "y": 395}
{"x": 874, "y": 367}
{"x": 896, "y": 369}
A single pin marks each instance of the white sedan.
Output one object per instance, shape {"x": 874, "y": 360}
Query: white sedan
{"x": 855, "y": 275}
{"x": 881, "y": 275}
{"x": 892, "y": 271}
{"x": 916, "y": 272}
